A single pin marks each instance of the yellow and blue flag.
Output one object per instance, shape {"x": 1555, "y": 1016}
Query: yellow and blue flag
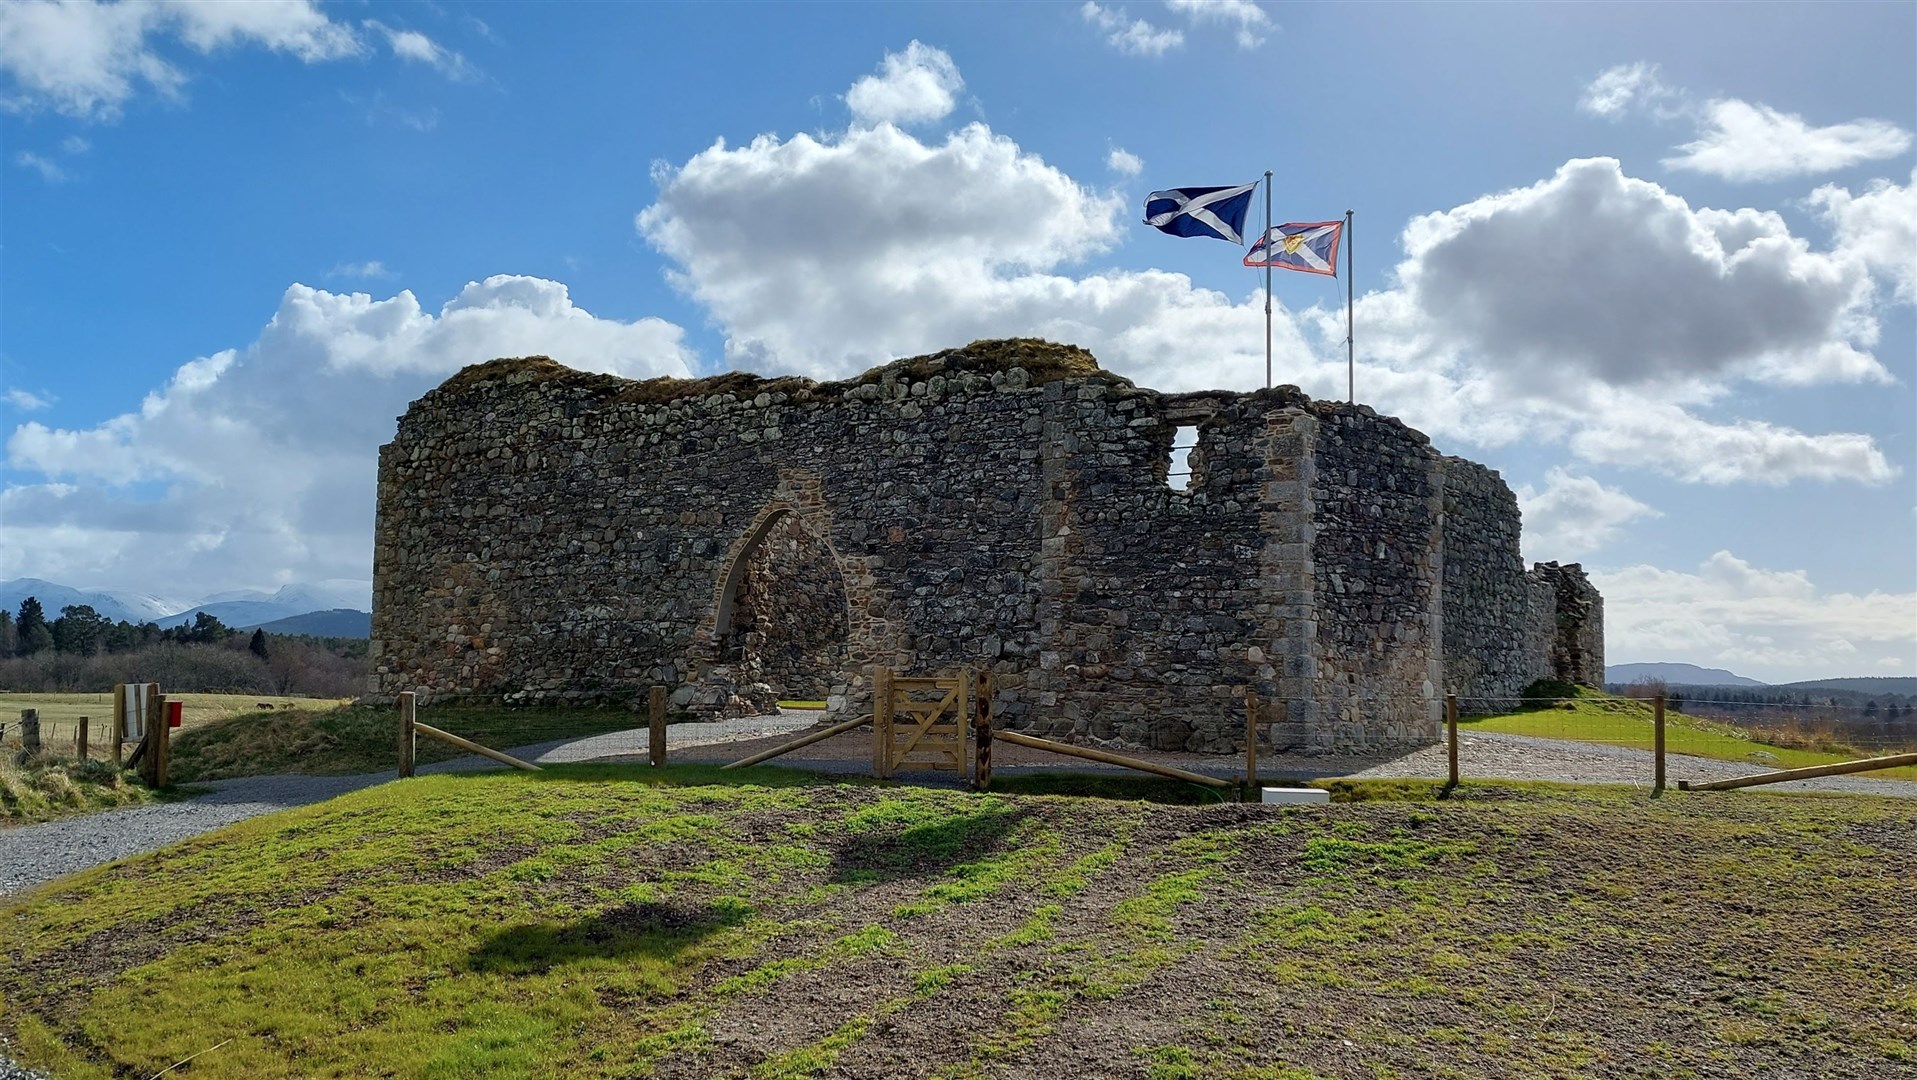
{"x": 1309, "y": 246}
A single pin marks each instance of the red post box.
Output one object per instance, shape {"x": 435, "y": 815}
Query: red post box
{"x": 175, "y": 712}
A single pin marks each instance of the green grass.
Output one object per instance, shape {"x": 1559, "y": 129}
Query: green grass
{"x": 360, "y": 739}
{"x": 619, "y": 921}
{"x": 1628, "y": 722}
{"x": 55, "y": 787}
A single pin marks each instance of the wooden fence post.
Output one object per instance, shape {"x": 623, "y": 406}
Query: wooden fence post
{"x": 982, "y": 734}
{"x": 881, "y": 722}
{"x": 80, "y": 740}
{"x": 119, "y": 725}
{"x": 29, "y": 732}
{"x": 1657, "y": 742}
{"x": 408, "y": 738}
{"x": 1451, "y": 738}
{"x": 158, "y": 738}
{"x": 1251, "y": 746}
{"x": 656, "y": 725}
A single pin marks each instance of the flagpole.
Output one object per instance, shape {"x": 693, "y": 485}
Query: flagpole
{"x": 1351, "y": 362}
{"x": 1266, "y": 237}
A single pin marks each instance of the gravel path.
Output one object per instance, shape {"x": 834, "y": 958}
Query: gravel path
{"x": 36, "y": 853}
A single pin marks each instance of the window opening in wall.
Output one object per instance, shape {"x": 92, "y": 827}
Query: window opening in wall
{"x": 1184, "y": 441}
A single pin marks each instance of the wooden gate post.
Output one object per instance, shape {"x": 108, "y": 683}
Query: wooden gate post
{"x": 982, "y": 734}
{"x": 29, "y": 732}
{"x": 881, "y": 722}
{"x": 158, "y": 738}
{"x": 1451, "y": 738}
{"x": 408, "y": 738}
{"x": 1657, "y": 742}
{"x": 80, "y": 740}
{"x": 656, "y": 726}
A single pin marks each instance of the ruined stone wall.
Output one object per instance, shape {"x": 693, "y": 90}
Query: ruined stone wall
{"x": 545, "y": 534}
{"x": 1576, "y": 651}
{"x": 1487, "y": 599}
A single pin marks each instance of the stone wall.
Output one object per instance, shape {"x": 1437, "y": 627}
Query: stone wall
{"x": 1487, "y": 598}
{"x": 1576, "y": 650}
{"x": 545, "y": 534}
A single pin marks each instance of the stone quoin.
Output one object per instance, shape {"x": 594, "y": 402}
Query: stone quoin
{"x": 548, "y": 535}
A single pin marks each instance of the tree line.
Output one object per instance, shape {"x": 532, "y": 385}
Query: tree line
{"x": 83, "y": 651}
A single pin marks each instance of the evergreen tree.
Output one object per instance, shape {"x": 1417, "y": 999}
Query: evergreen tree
{"x": 9, "y": 638}
{"x": 258, "y": 645}
{"x": 31, "y": 626}
{"x": 80, "y": 630}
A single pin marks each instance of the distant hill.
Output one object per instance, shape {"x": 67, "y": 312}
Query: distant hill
{"x": 117, "y": 605}
{"x": 339, "y": 622}
{"x": 1899, "y": 684}
{"x": 1676, "y": 674}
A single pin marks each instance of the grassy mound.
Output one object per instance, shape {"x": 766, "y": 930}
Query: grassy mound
{"x": 333, "y": 742}
{"x": 52, "y": 787}
{"x": 596, "y": 921}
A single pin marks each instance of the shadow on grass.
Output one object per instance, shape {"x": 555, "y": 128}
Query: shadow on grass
{"x": 1110, "y": 786}
{"x": 925, "y": 849}
{"x": 656, "y": 930}
{"x": 639, "y": 772}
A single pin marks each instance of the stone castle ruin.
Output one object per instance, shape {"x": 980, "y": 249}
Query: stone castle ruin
{"x": 550, "y": 535}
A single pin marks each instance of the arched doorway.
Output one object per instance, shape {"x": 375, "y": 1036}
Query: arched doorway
{"x": 782, "y": 617}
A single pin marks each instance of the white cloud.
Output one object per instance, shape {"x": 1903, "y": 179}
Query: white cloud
{"x": 1616, "y": 89}
{"x": 1574, "y": 515}
{"x": 1767, "y": 623}
{"x": 74, "y": 144}
{"x": 265, "y": 454}
{"x": 1250, "y": 20}
{"x": 1134, "y": 36}
{"x": 87, "y": 59}
{"x": 917, "y": 86}
{"x": 1665, "y": 438}
{"x": 1124, "y": 163}
{"x": 1742, "y": 141}
{"x": 49, "y": 169}
{"x": 1619, "y": 279}
{"x": 26, "y": 400}
{"x": 417, "y": 47}
{"x": 372, "y": 270}
{"x": 1879, "y": 227}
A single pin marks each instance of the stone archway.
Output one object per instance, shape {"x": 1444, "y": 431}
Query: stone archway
{"x": 788, "y": 615}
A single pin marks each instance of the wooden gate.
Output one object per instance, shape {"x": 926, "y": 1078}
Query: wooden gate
{"x": 922, "y": 722}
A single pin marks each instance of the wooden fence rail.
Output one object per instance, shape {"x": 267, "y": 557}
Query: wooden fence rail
{"x": 1810, "y": 772}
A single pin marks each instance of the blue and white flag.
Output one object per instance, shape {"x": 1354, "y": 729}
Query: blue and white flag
{"x": 1310, "y": 246}
{"x": 1201, "y": 211}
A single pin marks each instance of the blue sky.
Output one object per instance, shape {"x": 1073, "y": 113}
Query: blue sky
{"x": 1654, "y": 262}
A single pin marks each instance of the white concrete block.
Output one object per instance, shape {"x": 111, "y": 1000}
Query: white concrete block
{"x": 1296, "y": 795}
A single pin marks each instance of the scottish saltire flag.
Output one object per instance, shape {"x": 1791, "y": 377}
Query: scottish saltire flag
{"x": 1310, "y": 246}
{"x": 1201, "y": 211}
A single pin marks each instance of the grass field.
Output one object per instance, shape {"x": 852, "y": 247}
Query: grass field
{"x": 594, "y": 921}
{"x": 60, "y": 714}
{"x": 52, "y": 788}
{"x": 1627, "y": 722}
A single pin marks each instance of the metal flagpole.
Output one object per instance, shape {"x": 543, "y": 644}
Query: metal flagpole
{"x": 1351, "y": 363}
{"x": 1267, "y": 241}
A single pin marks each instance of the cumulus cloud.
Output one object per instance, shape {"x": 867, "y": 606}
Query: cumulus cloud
{"x": 1572, "y": 516}
{"x": 1742, "y": 141}
{"x": 1878, "y": 227}
{"x": 87, "y": 59}
{"x": 1770, "y": 623}
{"x": 265, "y": 454}
{"x": 1134, "y": 36}
{"x": 1124, "y": 163}
{"x": 917, "y": 86}
{"x": 1622, "y": 280}
{"x": 1248, "y": 20}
